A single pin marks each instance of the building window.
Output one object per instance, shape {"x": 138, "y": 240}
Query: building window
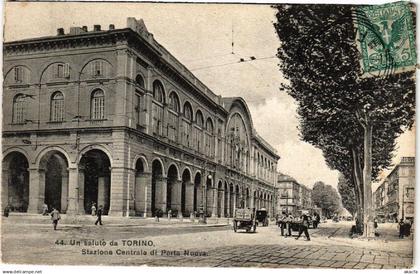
{"x": 97, "y": 68}
{"x": 18, "y": 74}
{"x": 57, "y": 107}
{"x": 174, "y": 102}
{"x": 188, "y": 111}
{"x": 97, "y": 105}
{"x": 19, "y": 104}
{"x": 140, "y": 81}
{"x": 158, "y": 91}
{"x": 62, "y": 71}
{"x": 137, "y": 107}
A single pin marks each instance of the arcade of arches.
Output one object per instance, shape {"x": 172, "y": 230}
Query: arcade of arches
{"x": 70, "y": 189}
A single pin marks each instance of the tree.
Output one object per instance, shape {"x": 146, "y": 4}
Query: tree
{"x": 347, "y": 193}
{"x": 354, "y": 120}
{"x": 325, "y": 197}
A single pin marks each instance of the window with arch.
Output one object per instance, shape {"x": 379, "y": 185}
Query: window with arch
{"x": 57, "y": 107}
{"x": 97, "y": 68}
{"x": 198, "y": 132}
{"x": 158, "y": 91}
{"x": 209, "y": 141}
{"x": 174, "y": 102}
{"x": 97, "y": 106}
{"x": 19, "y": 105}
{"x": 186, "y": 125}
{"x": 138, "y": 98}
{"x": 139, "y": 81}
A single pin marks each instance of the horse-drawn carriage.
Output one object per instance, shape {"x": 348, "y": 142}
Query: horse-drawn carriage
{"x": 245, "y": 218}
{"x": 262, "y": 217}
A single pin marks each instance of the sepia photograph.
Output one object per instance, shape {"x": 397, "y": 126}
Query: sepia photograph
{"x": 228, "y": 135}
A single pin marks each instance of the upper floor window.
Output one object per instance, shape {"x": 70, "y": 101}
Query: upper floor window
{"x": 158, "y": 91}
{"x": 97, "y": 68}
{"x": 97, "y": 105}
{"x": 137, "y": 106}
{"x": 57, "y": 107}
{"x": 19, "y": 105}
{"x": 209, "y": 126}
{"x": 199, "y": 118}
{"x": 19, "y": 74}
{"x": 174, "y": 102}
{"x": 140, "y": 81}
{"x": 188, "y": 111}
{"x": 61, "y": 71}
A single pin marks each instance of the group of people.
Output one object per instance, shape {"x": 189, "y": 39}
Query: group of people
{"x": 288, "y": 222}
{"x": 55, "y": 214}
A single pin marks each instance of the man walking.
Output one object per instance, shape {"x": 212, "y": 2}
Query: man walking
{"x": 283, "y": 223}
{"x": 99, "y": 216}
{"x": 304, "y": 228}
{"x": 55, "y": 217}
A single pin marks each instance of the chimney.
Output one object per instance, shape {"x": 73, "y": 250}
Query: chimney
{"x": 96, "y": 27}
{"x": 60, "y": 31}
{"x": 84, "y": 28}
{"x": 111, "y": 27}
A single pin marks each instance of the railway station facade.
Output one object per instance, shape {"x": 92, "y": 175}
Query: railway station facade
{"x": 111, "y": 117}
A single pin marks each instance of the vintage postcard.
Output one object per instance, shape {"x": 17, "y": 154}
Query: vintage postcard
{"x": 208, "y": 135}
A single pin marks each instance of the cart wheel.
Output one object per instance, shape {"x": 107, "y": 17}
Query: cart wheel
{"x": 234, "y": 226}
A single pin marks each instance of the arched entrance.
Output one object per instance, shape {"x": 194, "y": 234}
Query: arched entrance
{"x": 231, "y": 200}
{"x": 55, "y": 165}
{"x": 140, "y": 188}
{"x": 97, "y": 180}
{"x": 197, "y": 193}
{"x": 226, "y": 200}
{"x": 15, "y": 182}
{"x": 157, "y": 188}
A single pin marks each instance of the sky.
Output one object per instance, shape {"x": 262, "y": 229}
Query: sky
{"x": 201, "y": 36}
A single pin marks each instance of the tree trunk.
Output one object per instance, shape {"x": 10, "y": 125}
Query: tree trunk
{"x": 369, "y": 230}
{"x": 358, "y": 181}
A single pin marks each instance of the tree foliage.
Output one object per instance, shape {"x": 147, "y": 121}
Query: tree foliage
{"x": 346, "y": 191}
{"x": 325, "y": 197}
{"x": 320, "y": 61}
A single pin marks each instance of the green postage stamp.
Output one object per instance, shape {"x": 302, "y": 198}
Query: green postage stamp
{"x": 386, "y": 37}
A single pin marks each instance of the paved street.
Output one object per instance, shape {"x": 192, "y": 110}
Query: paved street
{"x": 32, "y": 240}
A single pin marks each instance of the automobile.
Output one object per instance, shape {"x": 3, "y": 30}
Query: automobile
{"x": 262, "y": 217}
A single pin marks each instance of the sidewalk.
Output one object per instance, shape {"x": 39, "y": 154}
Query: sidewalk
{"x": 88, "y": 220}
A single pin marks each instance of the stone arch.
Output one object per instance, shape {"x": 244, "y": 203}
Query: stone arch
{"x": 15, "y": 182}
{"x": 49, "y": 150}
{"x": 209, "y": 199}
{"x": 144, "y": 161}
{"x": 172, "y": 186}
{"x": 87, "y": 148}
{"x": 96, "y": 57}
{"x": 197, "y": 194}
{"x": 158, "y": 197}
{"x": 187, "y": 192}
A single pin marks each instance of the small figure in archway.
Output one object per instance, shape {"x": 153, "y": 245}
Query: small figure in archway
{"x": 99, "y": 215}
{"x": 44, "y": 209}
{"x": 6, "y": 211}
{"x": 93, "y": 209}
{"x": 55, "y": 217}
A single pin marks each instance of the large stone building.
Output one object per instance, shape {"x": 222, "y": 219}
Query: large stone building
{"x": 394, "y": 197}
{"x": 111, "y": 117}
{"x": 292, "y": 196}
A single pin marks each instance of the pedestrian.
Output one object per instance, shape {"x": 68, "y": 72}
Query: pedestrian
{"x": 99, "y": 215}
{"x": 289, "y": 223}
{"x": 6, "y": 211}
{"x": 55, "y": 217}
{"x": 401, "y": 227}
{"x": 283, "y": 223}
{"x": 318, "y": 219}
{"x": 93, "y": 209}
{"x": 304, "y": 227}
{"x": 44, "y": 209}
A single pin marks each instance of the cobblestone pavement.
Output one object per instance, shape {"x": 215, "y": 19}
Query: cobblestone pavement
{"x": 192, "y": 245}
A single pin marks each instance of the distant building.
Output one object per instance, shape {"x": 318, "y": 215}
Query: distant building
{"x": 394, "y": 198}
{"x": 292, "y": 196}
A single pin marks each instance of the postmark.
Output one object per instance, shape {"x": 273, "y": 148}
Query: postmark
{"x": 386, "y": 37}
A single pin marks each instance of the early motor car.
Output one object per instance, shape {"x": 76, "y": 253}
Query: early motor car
{"x": 244, "y": 218}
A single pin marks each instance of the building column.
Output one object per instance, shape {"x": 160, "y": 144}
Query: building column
{"x": 73, "y": 191}
{"x": 64, "y": 190}
{"x": 118, "y": 188}
{"x": 228, "y": 204}
{"x": 81, "y": 190}
{"x": 189, "y": 197}
{"x": 160, "y": 193}
{"x": 36, "y": 190}
{"x": 234, "y": 202}
{"x": 176, "y": 192}
{"x": 131, "y": 191}
{"x": 222, "y": 202}
{"x": 5, "y": 177}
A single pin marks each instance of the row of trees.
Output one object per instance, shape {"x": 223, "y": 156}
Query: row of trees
{"x": 326, "y": 197}
{"x": 354, "y": 120}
